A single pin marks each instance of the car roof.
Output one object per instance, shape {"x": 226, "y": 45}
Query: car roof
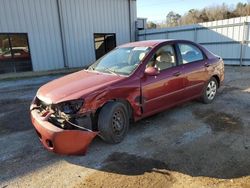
{"x": 151, "y": 43}
{"x": 154, "y": 43}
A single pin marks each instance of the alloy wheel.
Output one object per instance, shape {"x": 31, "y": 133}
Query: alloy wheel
{"x": 211, "y": 90}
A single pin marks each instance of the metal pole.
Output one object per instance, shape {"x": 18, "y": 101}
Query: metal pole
{"x": 195, "y": 34}
{"x": 242, "y": 45}
{"x": 130, "y": 21}
{"x": 62, "y": 33}
{"x": 166, "y": 34}
{"x": 136, "y": 31}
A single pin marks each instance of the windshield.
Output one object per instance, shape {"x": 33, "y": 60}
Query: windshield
{"x": 121, "y": 60}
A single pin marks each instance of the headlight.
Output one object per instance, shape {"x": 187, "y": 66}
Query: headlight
{"x": 71, "y": 107}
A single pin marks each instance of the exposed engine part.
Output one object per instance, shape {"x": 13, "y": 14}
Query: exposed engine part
{"x": 79, "y": 127}
{"x": 70, "y": 107}
{"x": 65, "y": 120}
{"x": 84, "y": 121}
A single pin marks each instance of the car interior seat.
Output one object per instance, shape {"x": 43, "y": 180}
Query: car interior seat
{"x": 141, "y": 56}
{"x": 165, "y": 60}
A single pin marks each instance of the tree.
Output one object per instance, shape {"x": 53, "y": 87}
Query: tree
{"x": 151, "y": 25}
{"x": 173, "y": 19}
{"x": 242, "y": 9}
{"x": 206, "y": 14}
{"x": 193, "y": 16}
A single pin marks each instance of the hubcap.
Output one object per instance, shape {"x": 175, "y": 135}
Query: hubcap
{"x": 118, "y": 122}
{"x": 211, "y": 90}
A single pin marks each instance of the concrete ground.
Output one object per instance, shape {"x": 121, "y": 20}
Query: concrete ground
{"x": 193, "y": 145}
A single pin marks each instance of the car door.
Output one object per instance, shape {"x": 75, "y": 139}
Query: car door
{"x": 194, "y": 69}
{"x": 165, "y": 89}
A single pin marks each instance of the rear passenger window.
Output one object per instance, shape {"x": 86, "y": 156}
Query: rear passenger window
{"x": 190, "y": 53}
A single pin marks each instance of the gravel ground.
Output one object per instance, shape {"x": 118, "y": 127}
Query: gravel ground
{"x": 193, "y": 145}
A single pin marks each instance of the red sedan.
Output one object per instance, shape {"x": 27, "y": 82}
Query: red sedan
{"x": 131, "y": 82}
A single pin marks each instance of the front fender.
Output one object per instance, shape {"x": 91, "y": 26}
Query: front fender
{"x": 129, "y": 94}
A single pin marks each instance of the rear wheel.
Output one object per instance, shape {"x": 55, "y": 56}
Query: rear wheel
{"x": 210, "y": 91}
{"x": 113, "y": 122}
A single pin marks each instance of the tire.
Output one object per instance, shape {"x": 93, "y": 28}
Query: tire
{"x": 210, "y": 91}
{"x": 113, "y": 122}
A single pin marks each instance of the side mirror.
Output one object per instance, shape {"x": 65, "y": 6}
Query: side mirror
{"x": 152, "y": 71}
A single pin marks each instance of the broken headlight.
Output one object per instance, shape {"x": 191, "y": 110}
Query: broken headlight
{"x": 70, "y": 107}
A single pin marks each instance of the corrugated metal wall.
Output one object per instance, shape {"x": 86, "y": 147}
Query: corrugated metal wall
{"x": 83, "y": 18}
{"x": 80, "y": 20}
{"x": 39, "y": 19}
{"x": 227, "y": 38}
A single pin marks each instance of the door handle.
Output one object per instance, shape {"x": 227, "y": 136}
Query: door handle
{"x": 177, "y": 73}
{"x": 207, "y": 65}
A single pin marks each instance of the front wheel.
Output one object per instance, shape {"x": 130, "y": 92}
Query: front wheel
{"x": 210, "y": 91}
{"x": 113, "y": 122}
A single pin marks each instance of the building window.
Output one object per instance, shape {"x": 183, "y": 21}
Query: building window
{"x": 104, "y": 43}
{"x": 14, "y": 53}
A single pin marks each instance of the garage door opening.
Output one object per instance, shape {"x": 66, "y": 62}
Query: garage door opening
{"x": 104, "y": 43}
{"x": 14, "y": 53}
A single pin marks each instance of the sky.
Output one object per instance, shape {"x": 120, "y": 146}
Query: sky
{"x": 157, "y": 10}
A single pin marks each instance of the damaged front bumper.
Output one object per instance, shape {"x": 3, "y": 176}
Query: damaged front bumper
{"x": 58, "y": 140}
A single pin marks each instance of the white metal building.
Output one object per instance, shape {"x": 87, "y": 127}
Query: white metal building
{"x": 228, "y": 38}
{"x": 52, "y": 34}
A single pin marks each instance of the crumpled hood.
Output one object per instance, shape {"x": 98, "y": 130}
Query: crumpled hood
{"x": 74, "y": 86}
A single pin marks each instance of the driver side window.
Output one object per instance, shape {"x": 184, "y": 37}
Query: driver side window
{"x": 164, "y": 58}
